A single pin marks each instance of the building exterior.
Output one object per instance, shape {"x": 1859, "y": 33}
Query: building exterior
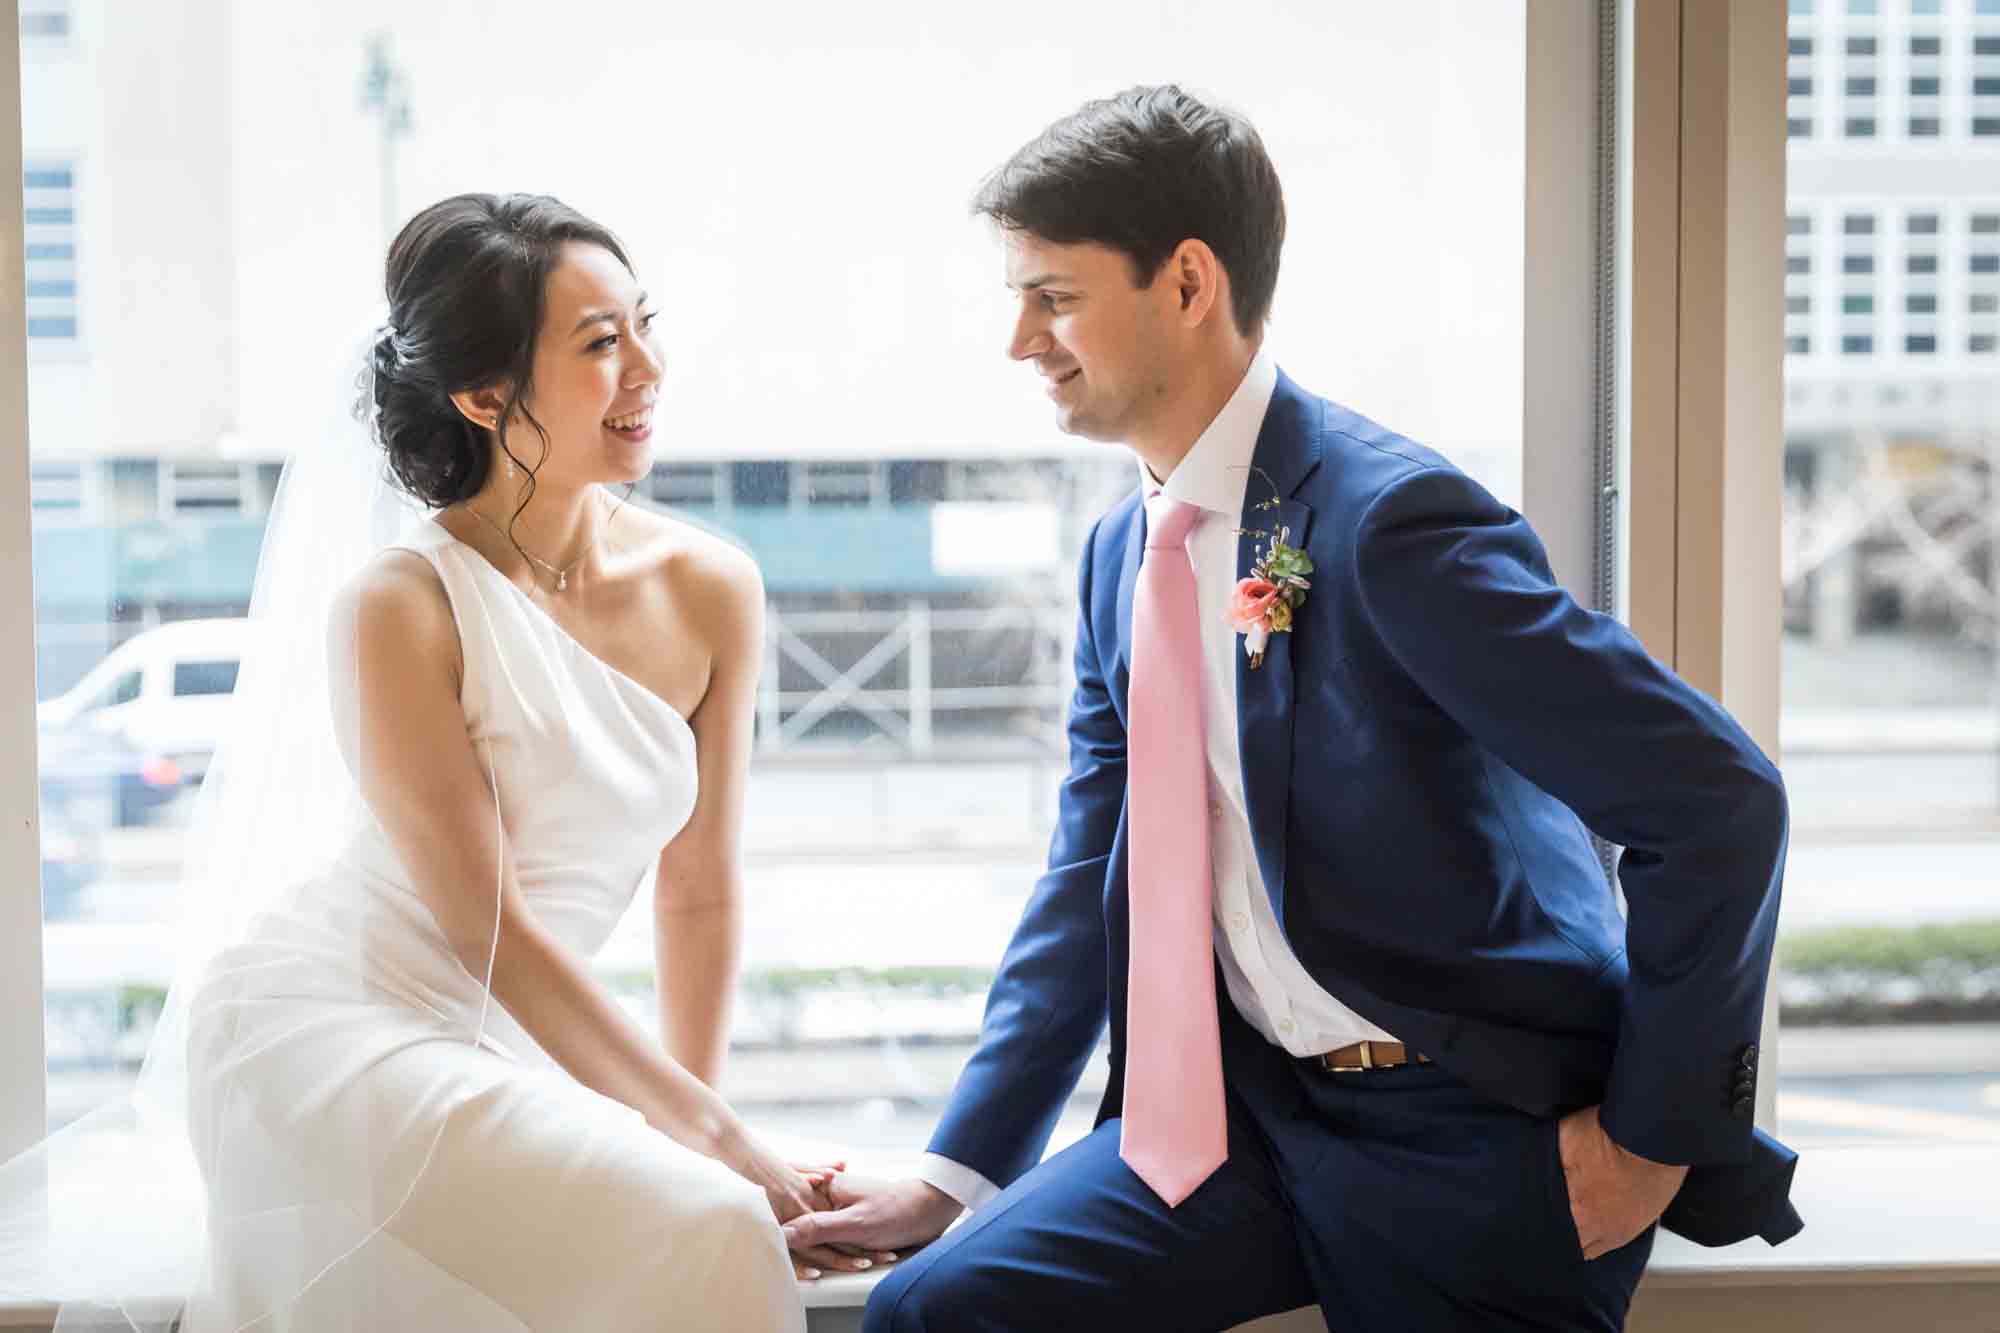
{"x": 1892, "y": 316}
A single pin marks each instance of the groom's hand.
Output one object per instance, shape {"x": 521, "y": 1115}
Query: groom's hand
{"x": 1613, "y": 1194}
{"x": 875, "y": 1215}
{"x": 812, "y": 1262}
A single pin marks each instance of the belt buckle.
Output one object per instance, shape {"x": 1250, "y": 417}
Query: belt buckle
{"x": 1367, "y": 1061}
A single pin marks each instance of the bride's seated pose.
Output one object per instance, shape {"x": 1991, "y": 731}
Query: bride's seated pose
{"x": 412, "y": 1104}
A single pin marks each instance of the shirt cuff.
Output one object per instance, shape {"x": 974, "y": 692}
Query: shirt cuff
{"x": 961, "y": 1182}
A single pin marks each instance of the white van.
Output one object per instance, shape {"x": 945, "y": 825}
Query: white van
{"x": 165, "y": 690}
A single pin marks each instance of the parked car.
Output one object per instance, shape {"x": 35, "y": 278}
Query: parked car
{"x": 96, "y": 778}
{"x": 165, "y": 692}
{"x": 70, "y": 862}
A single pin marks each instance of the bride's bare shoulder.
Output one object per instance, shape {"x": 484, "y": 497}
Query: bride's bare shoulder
{"x": 397, "y": 604}
{"x": 705, "y": 576}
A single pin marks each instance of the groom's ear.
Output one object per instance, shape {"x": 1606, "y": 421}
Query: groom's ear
{"x": 482, "y": 407}
{"x": 1197, "y": 277}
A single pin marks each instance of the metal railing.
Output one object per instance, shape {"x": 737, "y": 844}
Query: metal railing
{"x": 914, "y": 637}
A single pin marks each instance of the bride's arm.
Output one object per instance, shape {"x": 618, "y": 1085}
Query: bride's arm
{"x": 698, "y": 904}
{"x": 396, "y": 667}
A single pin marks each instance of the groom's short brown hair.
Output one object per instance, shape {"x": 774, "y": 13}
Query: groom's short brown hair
{"x": 1143, "y": 171}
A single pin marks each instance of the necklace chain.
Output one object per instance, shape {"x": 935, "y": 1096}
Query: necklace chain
{"x": 561, "y": 576}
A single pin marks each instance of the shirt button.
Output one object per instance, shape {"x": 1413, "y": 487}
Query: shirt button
{"x": 1286, "y": 1026}
{"x": 1239, "y": 921}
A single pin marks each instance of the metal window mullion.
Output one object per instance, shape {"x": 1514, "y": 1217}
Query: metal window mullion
{"x": 1605, "y": 474}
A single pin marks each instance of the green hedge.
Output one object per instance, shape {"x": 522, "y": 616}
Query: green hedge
{"x": 1902, "y": 951}
{"x": 1839, "y": 974}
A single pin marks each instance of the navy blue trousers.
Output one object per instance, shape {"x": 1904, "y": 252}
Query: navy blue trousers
{"x": 1400, "y": 1200}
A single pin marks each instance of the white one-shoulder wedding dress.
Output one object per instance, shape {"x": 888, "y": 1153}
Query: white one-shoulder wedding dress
{"x": 382, "y": 1147}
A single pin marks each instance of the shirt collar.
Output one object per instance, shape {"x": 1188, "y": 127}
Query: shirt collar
{"x": 1216, "y": 472}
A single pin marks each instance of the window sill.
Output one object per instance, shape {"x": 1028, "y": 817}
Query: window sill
{"x": 1897, "y": 1232}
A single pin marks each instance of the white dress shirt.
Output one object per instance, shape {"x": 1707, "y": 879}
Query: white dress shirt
{"x": 1268, "y": 984}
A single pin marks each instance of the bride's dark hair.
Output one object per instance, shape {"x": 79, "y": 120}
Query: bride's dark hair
{"x": 465, "y": 281}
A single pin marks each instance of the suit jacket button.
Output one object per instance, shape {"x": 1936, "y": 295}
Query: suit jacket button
{"x": 1747, "y": 1057}
{"x": 1743, "y": 1107}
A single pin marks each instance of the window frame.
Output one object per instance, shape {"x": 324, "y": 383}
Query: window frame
{"x": 1682, "y": 415}
{"x": 23, "y": 1056}
{"x": 1706, "y": 201}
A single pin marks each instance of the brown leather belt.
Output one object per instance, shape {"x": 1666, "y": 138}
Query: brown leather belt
{"x": 1367, "y": 1055}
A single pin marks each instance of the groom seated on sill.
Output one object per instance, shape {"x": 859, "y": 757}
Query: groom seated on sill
{"x": 1379, "y": 1038}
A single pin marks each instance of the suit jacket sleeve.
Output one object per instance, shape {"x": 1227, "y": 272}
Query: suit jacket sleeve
{"x": 1460, "y": 591}
{"x": 1047, "y": 1007}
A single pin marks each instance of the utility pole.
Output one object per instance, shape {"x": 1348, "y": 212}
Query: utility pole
{"x": 385, "y": 93}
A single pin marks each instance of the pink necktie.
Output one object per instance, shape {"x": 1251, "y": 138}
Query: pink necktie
{"x": 1175, "y": 1133}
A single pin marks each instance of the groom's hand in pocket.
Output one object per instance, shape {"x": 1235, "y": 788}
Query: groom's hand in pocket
{"x": 877, "y": 1216}
{"x": 1613, "y": 1194}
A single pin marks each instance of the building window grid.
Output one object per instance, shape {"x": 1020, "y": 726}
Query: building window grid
{"x": 1982, "y": 281}
{"x": 995, "y": 480}
{"x": 1858, "y": 266}
{"x": 208, "y": 490}
{"x": 48, "y": 202}
{"x": 62, "y": 490}
{"x": 1920, "y": 283}
{"x": 1860, "y": 84}
{"x": 1983, "y": 85}
{"x": 1923, "y": 80}
{"x": 687, "y": 484}
{"x": 45, "y": 23}
{"x": 841, "y": 482}
{"x": 1798, "y": 284}
{"x": 1799, "y": 77}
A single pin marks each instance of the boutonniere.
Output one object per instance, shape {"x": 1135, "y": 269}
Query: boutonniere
{"x": 1265, "y": 602}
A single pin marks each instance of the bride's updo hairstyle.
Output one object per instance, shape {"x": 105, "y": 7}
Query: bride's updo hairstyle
{"x": 465, "y": 281}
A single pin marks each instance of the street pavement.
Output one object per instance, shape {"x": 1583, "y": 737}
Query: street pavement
{"x": 891, "y": 864}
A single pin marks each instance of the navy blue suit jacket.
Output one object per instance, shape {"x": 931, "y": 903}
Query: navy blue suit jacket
{"x": 1423, "y": 755}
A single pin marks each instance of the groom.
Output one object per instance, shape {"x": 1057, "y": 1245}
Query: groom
{"x": 1379, "y": 1037}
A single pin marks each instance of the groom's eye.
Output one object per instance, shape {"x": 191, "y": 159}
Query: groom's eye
{"x": 1053, "y": 301}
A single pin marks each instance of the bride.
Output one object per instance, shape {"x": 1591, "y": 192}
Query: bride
{"x": 411, "y": 1104}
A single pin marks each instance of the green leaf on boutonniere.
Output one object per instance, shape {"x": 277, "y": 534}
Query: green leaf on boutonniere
{"x": 1289, "y": 561}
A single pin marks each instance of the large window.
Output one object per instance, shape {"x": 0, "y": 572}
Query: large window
{"x": 1889, "y": 974}
{"x": 792, "y": 181}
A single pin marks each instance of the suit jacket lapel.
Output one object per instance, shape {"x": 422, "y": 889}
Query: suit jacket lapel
{"x": 1128, "y": 582}
{"x": 1287, "y": 452}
